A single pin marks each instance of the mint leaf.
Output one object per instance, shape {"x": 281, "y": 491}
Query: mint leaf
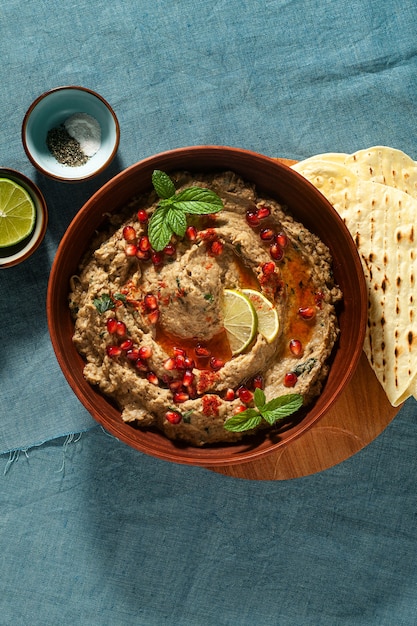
{"x": 281, "y": 407}
{"x": 259, "y": 397}
{"x": 246, "y": 420}
{"x": 163, "y": 185}
{"x": 177, "y": 221}
{"x": 198, "y": 201}
{"x": 271, "y": 412}
{"x": 269, "y": 416}
{"x": 159, "y": 231}
{"x": 170, "y": 215}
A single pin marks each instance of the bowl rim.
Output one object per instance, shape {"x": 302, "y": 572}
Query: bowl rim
{"x": 39, "y": 199}
{"x": 69, "y": 179}
{"x": 199, "y": 457}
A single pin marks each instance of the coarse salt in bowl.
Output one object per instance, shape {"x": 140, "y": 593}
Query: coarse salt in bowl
{"x": 74, "y": 113}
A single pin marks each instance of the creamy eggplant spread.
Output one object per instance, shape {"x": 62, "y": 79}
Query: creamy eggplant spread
{"x": 150, "y": 324}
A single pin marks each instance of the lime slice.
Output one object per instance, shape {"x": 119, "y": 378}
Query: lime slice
{"x": 240, "y": 320}
{"x": 268, "y": 320}
{"x": 17, "y": 213}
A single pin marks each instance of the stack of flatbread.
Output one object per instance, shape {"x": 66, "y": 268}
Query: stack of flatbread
{"x": 375, "y": 193}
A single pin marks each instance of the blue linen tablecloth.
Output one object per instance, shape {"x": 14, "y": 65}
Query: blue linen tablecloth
{"x": 95, "y": 533}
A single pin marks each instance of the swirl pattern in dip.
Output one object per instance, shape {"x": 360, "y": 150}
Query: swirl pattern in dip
{"x": 150, "y": 324}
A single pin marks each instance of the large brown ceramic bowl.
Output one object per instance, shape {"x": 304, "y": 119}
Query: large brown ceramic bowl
{"x": 307, "y": 205}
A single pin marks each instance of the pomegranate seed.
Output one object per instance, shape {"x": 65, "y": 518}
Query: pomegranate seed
{"x": 216, "y": 248}
{"x": 142, "y": 216}
{"x": 240, "y": 409}
{"x": 152, "y": 378}
{"x": 188, "y": 378}
{"x": 131, "y": 249}
{"x": 132, "y": 354}
{"x": 179, "y": 351}
{"x": 268, "y": 268}
{"x": 175, "y": 385}
{"x": 145, "y": 352}
{"x": 121, "y": 329}
{"x": 150, "y": 302}
{"x": 113, "y": 351}
{"x": 129, "y": 233}
{"x": 126, "y": 345}
{"x": 180, "y": 396}
{"x": 144, "y": 243}
{"x": 192, "y": 391}
{"x": 216, "y": 364}
{"x": 282, "y": 240}
{"x": 276, "y": 251}
{"x": 230, "y": 394}
{"x": 258, "y": 382}
{"x": 170, "y": 364}
{"x": 200, "y": 350}
{"x": 245, "y": 394}
{"x": 170, "y": 249}
{"x": 189, "y": 363}
{"x": 296, "y": 347}
{"x": 307, "y": 313}
{"x": 263, "y": 212}
{"x": 318, "y": 299}
{"x": 267, "y": 234}
{"x": 191, "y": 233}
{"x": 180, "y": 362}
{"x": 141, "y": 365}
{"x": 290, "y": 379}
{"x": 252, "y": 218}
{"x": 143, "y": 255}
{"x": 173, "y": 417}
{"x": 153, "y": 317}
{"x": 111, "y": 325}
{"x": 157, "y": 258}
{"x": 208, "y": 235}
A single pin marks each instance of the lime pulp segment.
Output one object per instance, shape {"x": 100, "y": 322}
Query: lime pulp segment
{"x": 240, "y": 320}
{"x": 268, "y": 320}
{"x": 17, "y": 213}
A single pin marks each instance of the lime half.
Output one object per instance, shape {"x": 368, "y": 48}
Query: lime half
{"x": 268, "y": 320}
{"x": 240, "y": 320}
{"x": 17, "y": 213}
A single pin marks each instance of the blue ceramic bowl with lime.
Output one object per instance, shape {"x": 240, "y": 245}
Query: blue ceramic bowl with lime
{"x": 70, "y": 133}
{"x": 23, "y": 217}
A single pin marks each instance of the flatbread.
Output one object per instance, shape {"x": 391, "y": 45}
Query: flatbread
{"x": 387, "y": 166}
{"x": 333, "y": 157}
{"x": 381, "y": 219}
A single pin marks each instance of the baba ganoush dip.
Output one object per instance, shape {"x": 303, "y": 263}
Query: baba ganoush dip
{"x": 150, "y": 323}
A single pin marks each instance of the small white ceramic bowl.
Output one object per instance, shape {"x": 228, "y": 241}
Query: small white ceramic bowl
{"x": 52, "y": 109}
{"x": 21, "y": 251}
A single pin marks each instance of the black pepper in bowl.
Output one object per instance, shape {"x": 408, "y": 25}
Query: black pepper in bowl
{"x": 65, "y": 148}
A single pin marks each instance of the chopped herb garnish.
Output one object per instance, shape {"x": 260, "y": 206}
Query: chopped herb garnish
{"x": 103, "y": 303}
{"x": 170, "y": 216}
{"x": 208, "y": 296}
{"x": 186, "y": 416}
{"x": 306, "y": 366}
{"x": 272, "y": 411}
